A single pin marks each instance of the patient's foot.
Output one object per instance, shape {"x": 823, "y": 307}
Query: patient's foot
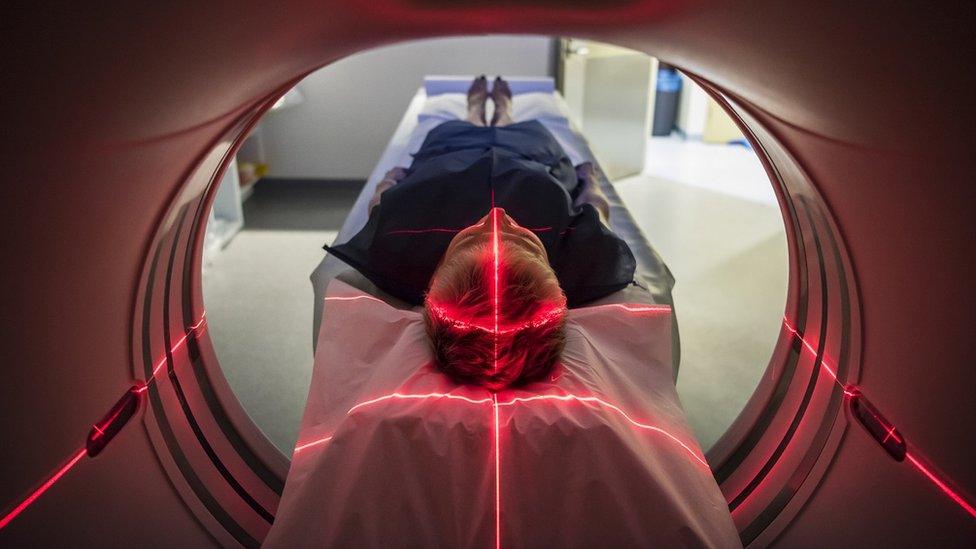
{"x": 501, "y": 94}
{"x": 477, "y": 97}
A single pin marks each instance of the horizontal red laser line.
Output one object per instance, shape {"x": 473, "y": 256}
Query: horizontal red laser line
{"x": 42, "y": 488}
{"x": 402, "y": 396}
{"x": 522, "y": 400}
{"x": 541, "y": 319}
{"x": 953, "y": 495}
{"x": 322, "y": 440}
{"x": 354, "y": 298}
{"x": 423, "y": 231}
{"x": 638, "y": 308}
{"x": 601, "y": 402}
{"x": 449, "y": 230}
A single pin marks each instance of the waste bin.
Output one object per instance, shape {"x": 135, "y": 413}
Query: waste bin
{"x": 666, "y": 101}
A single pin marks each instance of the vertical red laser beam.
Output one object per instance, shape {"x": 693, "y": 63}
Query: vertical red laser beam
{"x": 953, "y": 495}
{"x": 494, "y": 250}
{"x": 498, "y": 481}
{"x": 42, "y": 488}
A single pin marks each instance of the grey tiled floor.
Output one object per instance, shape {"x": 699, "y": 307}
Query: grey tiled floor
{"x": 259, "y": 300}
{"x": 708, "y": 210}
{"x": 728, "y": 255}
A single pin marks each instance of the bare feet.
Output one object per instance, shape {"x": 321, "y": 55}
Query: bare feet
{"x": 477, "y": 97}
{"x": 501, "y": 94}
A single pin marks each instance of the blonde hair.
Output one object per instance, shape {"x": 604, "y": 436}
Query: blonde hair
{"x": 495, "y": 341}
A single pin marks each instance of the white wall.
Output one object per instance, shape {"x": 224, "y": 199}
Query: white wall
{"x": 352, "y": 106}
{"x": 692, "y": 109}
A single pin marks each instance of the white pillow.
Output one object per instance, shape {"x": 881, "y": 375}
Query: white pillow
{"x": 537, "y": 106}
{"x": 446, "y": 106}
{"x": 525, "y": 106}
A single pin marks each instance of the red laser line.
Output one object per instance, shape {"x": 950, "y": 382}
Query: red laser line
{"x": 423, "y": 231}
{"x": 639, "y": 308}
{"x": 823, "y": 361}
{"x": 396, "y": 232}
{"x": 301, "y": 447}
{"x": 354, "y": 298}
{"x": 848, "y": 391}
{"x": 891, "y": 433}
{"x": 494, "y": 245}
{"x": 601, "y": 402}
{"x": 953, "y": 495}
{"x": 498, "y": 482}
{"x": 522, "y": 400}
{"x": 540, "y": 319}
{"x": 402, "y": 396}
{"x": 42, "y": 488}
{"x": 194, "y": 330}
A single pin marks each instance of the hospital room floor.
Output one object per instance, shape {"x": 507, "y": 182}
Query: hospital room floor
{"x": 708, "y": 209}
{"x": 259, "y": 298}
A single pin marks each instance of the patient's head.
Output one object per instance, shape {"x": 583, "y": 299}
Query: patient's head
{"x": 495, "y": 312}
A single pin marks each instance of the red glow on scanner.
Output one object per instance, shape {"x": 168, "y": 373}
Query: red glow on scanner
{"x": 890, "y": 429}
{"x": 42, "y": 488}
{"x": 194, "y": 330}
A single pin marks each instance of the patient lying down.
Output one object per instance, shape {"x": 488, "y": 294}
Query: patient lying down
{"x": 521, "y": 406}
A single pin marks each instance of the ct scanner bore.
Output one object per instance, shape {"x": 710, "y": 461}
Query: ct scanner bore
{"x": 105, "y": 286}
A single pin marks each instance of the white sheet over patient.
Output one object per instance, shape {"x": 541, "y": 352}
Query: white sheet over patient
{"x": 392, "y": 453}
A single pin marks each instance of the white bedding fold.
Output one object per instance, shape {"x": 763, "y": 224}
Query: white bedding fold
{"x": 392, "y": 453}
